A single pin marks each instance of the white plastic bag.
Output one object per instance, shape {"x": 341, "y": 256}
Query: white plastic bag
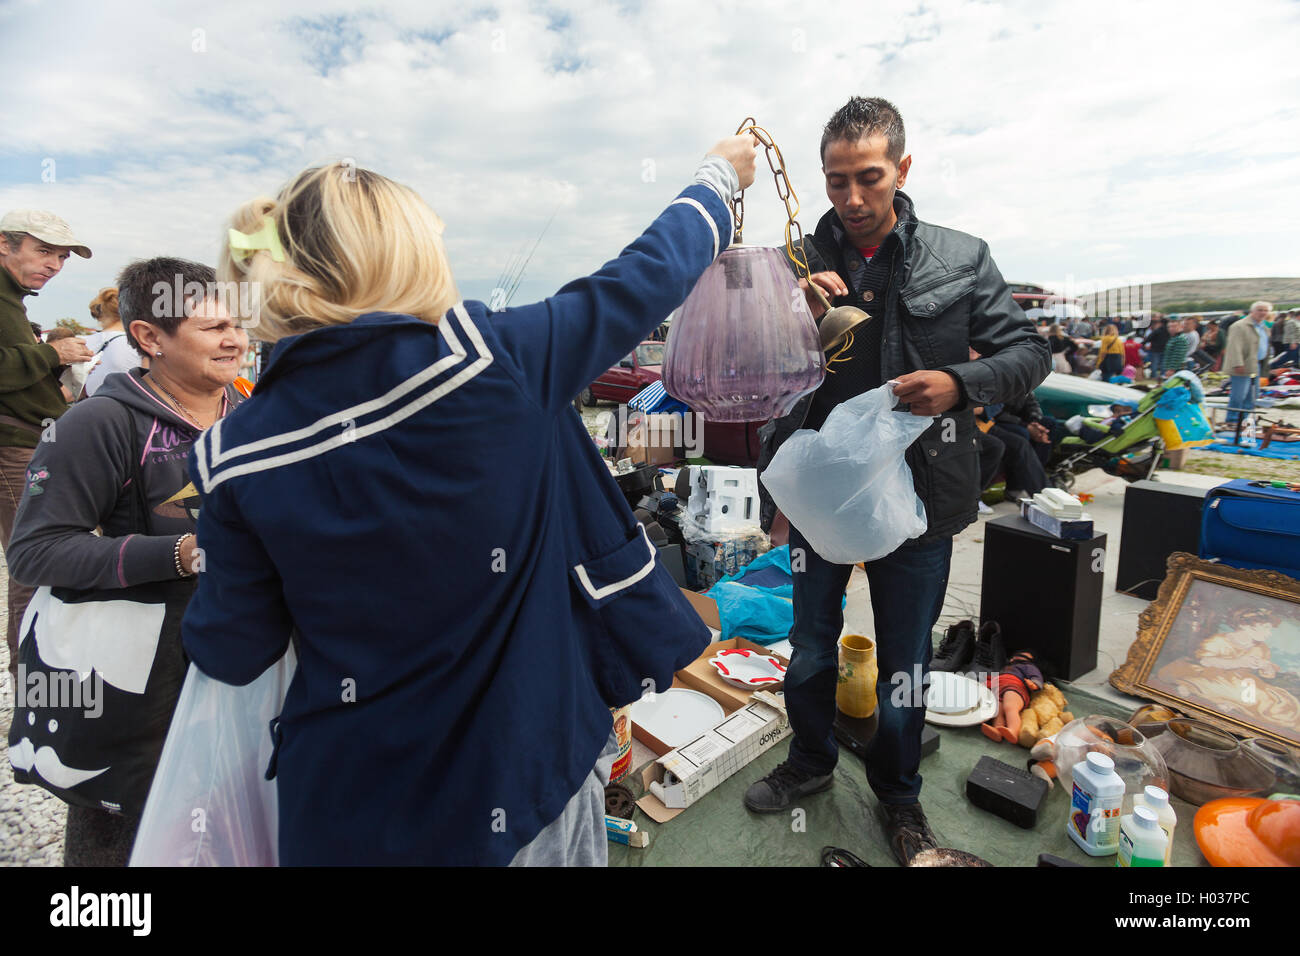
{"x": 847, "y": 488}
{"x": 210, "y": 804}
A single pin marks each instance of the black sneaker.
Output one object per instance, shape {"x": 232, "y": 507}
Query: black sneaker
{"x": 956, "y": 649}
{"x": 775, "y": 792}
{"x": 990, "y": 651}
{"x": 907, "y": 830}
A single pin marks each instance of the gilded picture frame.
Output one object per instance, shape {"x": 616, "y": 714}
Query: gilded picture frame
{"x": 1221, "y": 644}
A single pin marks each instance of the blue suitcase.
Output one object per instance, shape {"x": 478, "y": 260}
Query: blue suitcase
{"x": 1246, "y": 526}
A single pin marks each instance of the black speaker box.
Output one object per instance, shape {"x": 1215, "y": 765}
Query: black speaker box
{"x": 1159, "y": 519}
{"x": 1045, "y": 592}
{"x": 1009, "y": 792}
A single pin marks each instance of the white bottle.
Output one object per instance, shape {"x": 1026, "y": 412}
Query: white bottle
{"x": 1141, "y": 841}
{"x": 1156, "y": 800}
{"x": 1098, "y": 794}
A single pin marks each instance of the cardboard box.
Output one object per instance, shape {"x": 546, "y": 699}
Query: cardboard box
{"x": 686, "y": 774}
{"x": 653, "y": 439}
{"x": 1075, "y": 529}
{"x": 754, "y": 722}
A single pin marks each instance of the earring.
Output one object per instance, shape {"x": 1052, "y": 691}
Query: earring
{"x": 159, "y": 354}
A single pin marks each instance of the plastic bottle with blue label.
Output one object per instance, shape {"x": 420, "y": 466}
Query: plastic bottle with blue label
{"x": 1096, "y": 798}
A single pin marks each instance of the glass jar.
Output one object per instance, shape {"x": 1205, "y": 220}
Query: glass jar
{"x": 1206, "y": 763}
{"x": 1281, "y": 760}
{"x": 1137, "y": 761}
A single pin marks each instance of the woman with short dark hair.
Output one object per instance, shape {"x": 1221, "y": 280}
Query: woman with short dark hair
{"x": 118, "y": 466}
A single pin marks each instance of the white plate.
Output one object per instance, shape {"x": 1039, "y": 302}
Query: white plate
{"x": 745, "y": 668}
{"x": 952, "y": 693}
{"x": 986, "y": 710}
{"x": 677, "y": 716}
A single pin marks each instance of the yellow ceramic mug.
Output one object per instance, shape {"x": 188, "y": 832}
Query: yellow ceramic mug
{"x": 855, "y": 692}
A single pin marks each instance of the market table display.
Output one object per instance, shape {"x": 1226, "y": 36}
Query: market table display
{"x": 716, "y": 831}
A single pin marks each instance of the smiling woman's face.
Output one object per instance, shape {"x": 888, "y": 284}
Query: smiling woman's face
{"x": 207, "y": 348}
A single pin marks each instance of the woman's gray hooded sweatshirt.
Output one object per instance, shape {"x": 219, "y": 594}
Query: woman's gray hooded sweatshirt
{"x": 80, "y": 479}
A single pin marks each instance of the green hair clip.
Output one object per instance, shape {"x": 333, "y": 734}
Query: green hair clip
{"x": 243, "y": 244}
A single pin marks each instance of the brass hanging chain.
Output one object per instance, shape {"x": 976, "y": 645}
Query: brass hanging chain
{"x": 784, "y": 191}
{"x": 793, "y": 233}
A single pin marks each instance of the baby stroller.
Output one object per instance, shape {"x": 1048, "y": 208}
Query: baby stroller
{"x": 1129, "y": 444}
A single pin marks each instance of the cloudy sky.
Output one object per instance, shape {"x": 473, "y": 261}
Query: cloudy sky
{"x": 1088, "y": 143}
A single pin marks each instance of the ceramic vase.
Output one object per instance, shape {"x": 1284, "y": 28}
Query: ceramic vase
{"x": 855, "y": 690}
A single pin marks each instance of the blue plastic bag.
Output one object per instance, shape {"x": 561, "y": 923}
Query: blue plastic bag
{"x": 755, "y": 603}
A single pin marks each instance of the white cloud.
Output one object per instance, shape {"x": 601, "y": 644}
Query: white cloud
{"x": 1078, "y": 139}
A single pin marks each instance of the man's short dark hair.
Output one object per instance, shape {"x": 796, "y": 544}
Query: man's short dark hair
{"x": 867, "y": 116}
{"x": 161, "y": 292}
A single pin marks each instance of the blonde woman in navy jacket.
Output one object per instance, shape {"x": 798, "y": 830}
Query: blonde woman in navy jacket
{"x": 409, "y": 490}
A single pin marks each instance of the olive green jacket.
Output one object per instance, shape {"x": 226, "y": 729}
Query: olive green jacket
{"x": 29, "y": 388}
{"x": 1242, "y": 349}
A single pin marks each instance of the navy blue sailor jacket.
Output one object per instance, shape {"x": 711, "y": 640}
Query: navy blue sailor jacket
{"x": 470, "y": 589}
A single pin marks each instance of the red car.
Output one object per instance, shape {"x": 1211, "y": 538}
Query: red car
{"x": 639, "y": 368}
{"x": 727, "y": 443}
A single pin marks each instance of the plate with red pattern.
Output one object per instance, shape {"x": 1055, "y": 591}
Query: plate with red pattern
{"x": 750, "y": 669}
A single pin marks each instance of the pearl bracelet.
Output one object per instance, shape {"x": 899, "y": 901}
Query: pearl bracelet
{"x": 176, "y": 556}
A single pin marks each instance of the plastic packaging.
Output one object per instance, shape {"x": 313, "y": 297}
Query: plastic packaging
{"x": 761, "y": 612}
{"x": 1157, "y": 801}
{"x": 743, "y": 347}
{"x": 847, "y": 488}
{"x": 210, "y": 803}
{"x": 710, "y": 557}
{"x": 1095, "y": 803}
{"x": 1141, "y": 840}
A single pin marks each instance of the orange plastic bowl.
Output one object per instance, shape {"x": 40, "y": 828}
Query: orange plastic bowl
{"x": 1249, "y": 831}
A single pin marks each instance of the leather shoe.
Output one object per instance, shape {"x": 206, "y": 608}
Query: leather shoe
{"x": 908, "y": 831}
{"x": 956, "y": 649}
{"x": 782, "y": 786}
{"x": 990, "y": 650}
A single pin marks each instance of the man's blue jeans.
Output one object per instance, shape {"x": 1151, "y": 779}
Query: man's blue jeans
{"x": 907, "y": 591}
{"x": 1157, "y": 360}
{"x": 1241, "y": 394}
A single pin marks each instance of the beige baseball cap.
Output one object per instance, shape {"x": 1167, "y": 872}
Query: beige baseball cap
{"x": 44, "y": 226}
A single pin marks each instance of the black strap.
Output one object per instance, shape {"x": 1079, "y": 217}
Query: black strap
{"x": 109, "y": 341}
{"x": 141, "y": 516}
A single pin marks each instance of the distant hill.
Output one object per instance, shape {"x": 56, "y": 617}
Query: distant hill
{"x": 1209, "y": 291}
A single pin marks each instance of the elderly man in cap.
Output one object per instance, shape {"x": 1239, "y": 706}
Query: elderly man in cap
{"x": 33, "y": 247}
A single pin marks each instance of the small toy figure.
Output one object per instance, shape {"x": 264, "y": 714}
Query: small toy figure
{"x": 1018, "y": 680}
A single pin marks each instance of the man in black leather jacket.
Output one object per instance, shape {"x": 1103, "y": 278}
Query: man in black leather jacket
{"x": 933, "y": 294}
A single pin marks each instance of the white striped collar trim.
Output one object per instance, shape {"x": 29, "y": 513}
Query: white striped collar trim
{"x": 459, "y": 354}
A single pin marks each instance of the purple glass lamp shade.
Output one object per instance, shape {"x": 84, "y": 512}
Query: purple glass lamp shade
{"x": 743, "y": 347}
